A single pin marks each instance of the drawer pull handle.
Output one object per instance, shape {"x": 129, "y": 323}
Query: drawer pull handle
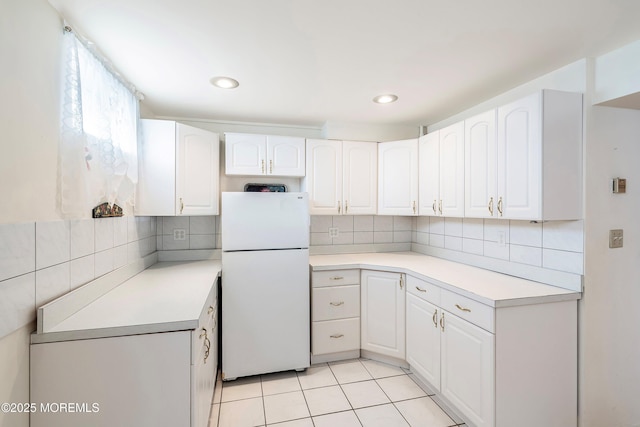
{"x": 336, "y": 278}
{"x": 210, "y": 310}
{"x": 459, "y": 307}
{"x": 337, "y": 304}
{"x": 435, "y": 318}
{"x": 420, "y": 289}
{"x": 337, "y": 336}
{"x": 442, "y": 322}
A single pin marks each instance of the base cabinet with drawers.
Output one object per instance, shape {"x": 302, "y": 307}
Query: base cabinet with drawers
{"x": 335, "y": 313}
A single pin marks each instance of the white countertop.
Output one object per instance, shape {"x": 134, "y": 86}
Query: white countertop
{"x": 487, "y": 287}
{"x": 168, "y": 296}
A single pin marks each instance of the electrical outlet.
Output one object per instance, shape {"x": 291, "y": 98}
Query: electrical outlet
{"x": 501, "y": 239}
{"x": 615, "y": 238}
{"x": 333, "y": 232}
{"x": 179, "y": 234}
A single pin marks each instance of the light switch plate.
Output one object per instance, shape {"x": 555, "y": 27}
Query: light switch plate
{"x": 615, "y": 238}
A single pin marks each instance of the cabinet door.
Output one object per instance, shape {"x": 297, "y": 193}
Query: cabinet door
{"x": 430, "y": 174}
{"x": 467, "y": 369}
{"x": 323, "y": 180}
{"x": 519, "y": 159}
{"x": 155, "y": 195}
{"x": 452, "y": 170}
{"x": 480, "y": 165}
{"x": 359, "y": 174}
{"x": 423, "y": 339}
{"x": 245, "y": 154}
{"x": 382, "y": 313}
{"x": 398, "y": 177}
{"x": 285, "y": 156}
{"x": 197, "y": 170}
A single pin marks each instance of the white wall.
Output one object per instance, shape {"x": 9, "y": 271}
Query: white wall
{"x": 609, "y": 315}
{"x": 30, "y": 36}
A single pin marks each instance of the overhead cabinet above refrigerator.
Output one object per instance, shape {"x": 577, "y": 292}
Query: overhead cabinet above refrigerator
{"x": 257, "y": 155}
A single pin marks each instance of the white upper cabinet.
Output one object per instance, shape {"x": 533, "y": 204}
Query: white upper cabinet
{"x": 480, "y": 165}
{"x": 539, "y": 157}
{"x": 398, "y": 177}
{"x": 442, "y": 172}
{"x": 179, "y": 170}
{"x": 359, "y": 177}
{"x": 341, "y": 177}
{"x": 249, "y": 154}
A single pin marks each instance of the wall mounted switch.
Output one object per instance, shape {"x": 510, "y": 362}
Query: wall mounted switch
{"x": 615, "y": 238}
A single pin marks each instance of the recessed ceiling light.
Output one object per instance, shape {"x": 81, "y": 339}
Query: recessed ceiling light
{"x": 385, "y": 99}
{"x": 224, "y": 82}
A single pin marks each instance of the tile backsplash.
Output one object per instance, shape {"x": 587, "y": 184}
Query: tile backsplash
{"x": 553, "y": 245}
{"x": 39, "y": 261}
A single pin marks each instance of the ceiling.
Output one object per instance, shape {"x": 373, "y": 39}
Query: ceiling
{"x": 306, "y": 62}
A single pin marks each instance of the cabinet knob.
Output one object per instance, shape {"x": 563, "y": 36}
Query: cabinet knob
{"x": 337, "y": 304}
{"x": 337, "y": 336}
{"x": 262, "y": 164}
{"x": 434, "y": 207}
{"x": 181, "y": 205}
{"x": 490, "y": 206}
{"x": 442, "y": 322}
{"x": 336, "y": 278}
{"x": 401, "y": 282}
{"x": 270, "y": 166}
{"x": 440, "y": 207}
{"x": 339, "y": 208}
{"x": 435, "y": 318}
{"x": 346, "y": 206}
{"x": 500, "y": 206}
{"x": 420, "y": 289}
{"x": 414, "y": 207}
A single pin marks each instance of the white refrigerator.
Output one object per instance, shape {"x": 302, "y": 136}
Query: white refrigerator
{"x": 265, "y": 283}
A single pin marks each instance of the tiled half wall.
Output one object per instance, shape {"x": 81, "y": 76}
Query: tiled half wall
{"x": 40, "y": 261}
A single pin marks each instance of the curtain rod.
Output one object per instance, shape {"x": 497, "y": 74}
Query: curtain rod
{"x": 91, "y": 47}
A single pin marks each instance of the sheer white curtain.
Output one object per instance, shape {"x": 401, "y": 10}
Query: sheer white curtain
{"x": 98, "y": 154}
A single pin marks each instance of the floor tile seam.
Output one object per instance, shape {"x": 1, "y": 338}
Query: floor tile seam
{"x": 436, "y": 403}
{"x": 304, "y": 396}
{"x": 431, "y": 396}
{"x": 401, "y": 414}
{"x": 264, "y": 406}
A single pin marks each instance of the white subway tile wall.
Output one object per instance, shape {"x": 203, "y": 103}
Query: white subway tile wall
{"x": 200, "y": 232}
{"x": 554, "y": 245}
{"x": 40, "y": 261}
{"x": 361, "y": 229}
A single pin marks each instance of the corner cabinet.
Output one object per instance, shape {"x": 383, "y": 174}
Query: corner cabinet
{"x": 383, "y": 313}
{"x": 178, "y": 170}
{"x": 252, "y": 154}
{"x": 398, "y": 177}
{"x": 524, "y": 160}
{"x": 341, "y": 177}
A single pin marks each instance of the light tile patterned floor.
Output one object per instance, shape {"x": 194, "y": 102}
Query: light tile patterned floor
{"x": 353, "y": 393}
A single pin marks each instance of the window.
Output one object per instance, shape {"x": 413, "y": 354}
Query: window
{"x": 98, "y": 141}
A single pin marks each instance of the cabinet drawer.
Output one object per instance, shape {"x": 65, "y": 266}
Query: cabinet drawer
{"x": 335, "y": 278}
{"x": 334, "y": 336}
{"x": 468, "y": 309}
{"x": 423, "y": 290}
{"x": 335, "y": 302}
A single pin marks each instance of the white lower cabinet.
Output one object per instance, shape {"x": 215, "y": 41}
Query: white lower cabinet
{"x": 383, "y": 313}
{"x": 148, "y": 380}
{"x": 467, "y": 375}
{"x": 497, "y": 367}
{"x": 335, "y": 314}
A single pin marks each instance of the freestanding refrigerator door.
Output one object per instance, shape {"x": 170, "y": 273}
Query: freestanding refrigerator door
{"x": 255, "y": 221}
{"x": 265, "y": 312}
